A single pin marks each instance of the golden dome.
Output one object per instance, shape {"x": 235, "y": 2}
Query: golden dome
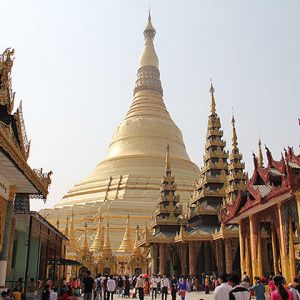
{"x": 128, "y": 179}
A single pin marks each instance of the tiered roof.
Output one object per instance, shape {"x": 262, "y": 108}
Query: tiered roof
{"x": 236, "y": 178}
{"x": 168, "y": 212}
{"x": 278, "y": 179}
{"x": 13, "y": 139}
{"x": 210, "y": 188}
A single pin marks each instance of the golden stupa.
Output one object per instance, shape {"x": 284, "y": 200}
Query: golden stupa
{"x": 127, "y": 181}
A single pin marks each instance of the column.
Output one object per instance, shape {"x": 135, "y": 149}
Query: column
{"x": 153, "y": 249}
{"x": 6, "y": 235}
{"x": 206, "y": 257}
{"x": 242, "y": 248}
{"x": 292, "y": 250}
{"x": 248, "y": 257}
{"x": 162, "y": 259}
{"x": 297, "y": 194}
{"x": 259, "y": 256}
{"x": 183, "y": 259}
{"x": 285, "y": 263}
{"x": 253, "y": 247}
{"x": 228, "y": 256}
{"x": 192, "y": 259}
{"x": 274, "y": 250}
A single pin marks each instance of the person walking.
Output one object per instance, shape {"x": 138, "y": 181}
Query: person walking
{"x": 120, "y": 284}
{"x": 126, "y": 287}
{"x": 173, "y": 287}
{"x": 206, "y": 284}
{"x": 88, "y": 286}
{"x": 221, "y": 292}
{"x": 98, "y": 284}
{"x": 294, "y": 291}
{"x": 154, "y": 284}
{"x": 238, "y": 292}
{"x": 182, "y": 288}
{"x": 165, "y": 286}
{"x": 140, "y": 287}
{"x": 281, "y": 293}
{"x": 30, "y": 290}
{"x": 259, "y": 289}
{"x": 111, "y": 287}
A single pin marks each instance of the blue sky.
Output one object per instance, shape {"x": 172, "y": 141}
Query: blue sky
{"x": 76, "y": 63}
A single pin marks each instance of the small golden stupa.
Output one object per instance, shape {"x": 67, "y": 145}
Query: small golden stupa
{"x": 126, "y": 181}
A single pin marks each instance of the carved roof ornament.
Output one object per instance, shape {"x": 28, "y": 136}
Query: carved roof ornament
{"x": 260, "y": 155}
{"x": 7, "y": 96}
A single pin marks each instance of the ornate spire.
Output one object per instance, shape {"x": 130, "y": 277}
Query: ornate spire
{"x": 7, "y": 96}
{"x": 97, "y": 244}
{"x": 260, "y": 155}
{"x": 210, "y": 188}
{"x": 168, "y": 167}
{"x": 72, "y": 237}
{"x": 234, "y": 136}
{"x": 213, "y": 102}
{"x": 85, "y": 244}
{"x": 126, "y": 245}
{"x": 136, "y": 249}
{"x": 168, "y": 209}
{"x": 236, "y": 178}
{"x": 66, "y": 231}
{"x": 106, "y": 252}
{"x": 148, "y": 77}
{"x": 148, "y": 56}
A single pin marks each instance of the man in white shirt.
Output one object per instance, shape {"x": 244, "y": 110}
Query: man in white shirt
{"x": 165, "y": 285}
{"x": 154, "y": 283}
{"x": 111, "y": 287}
{"x": 221, "y": 292}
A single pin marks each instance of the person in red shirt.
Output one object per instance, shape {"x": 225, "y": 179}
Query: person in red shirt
{"x": 281, "y": 293}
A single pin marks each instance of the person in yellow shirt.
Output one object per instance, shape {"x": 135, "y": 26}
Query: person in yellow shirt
{"x": 16, "y": 294}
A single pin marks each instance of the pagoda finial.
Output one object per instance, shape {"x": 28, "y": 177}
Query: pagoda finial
{"x": 260, "y": 156}
{"x": 148, "y": 56}
{"x": 213, "y": 102}
{"x": 234, "y": 135}
{"x": 168, "y": 167}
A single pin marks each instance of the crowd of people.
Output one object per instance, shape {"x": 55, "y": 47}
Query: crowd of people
{"x": 232, "y": 287}
{"x": 222, "y": 287}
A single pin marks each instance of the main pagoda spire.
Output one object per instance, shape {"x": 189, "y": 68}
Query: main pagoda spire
{"x": 210, "y": 188}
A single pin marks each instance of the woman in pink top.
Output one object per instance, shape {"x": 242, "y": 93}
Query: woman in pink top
{"x": 281, "y": 293}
